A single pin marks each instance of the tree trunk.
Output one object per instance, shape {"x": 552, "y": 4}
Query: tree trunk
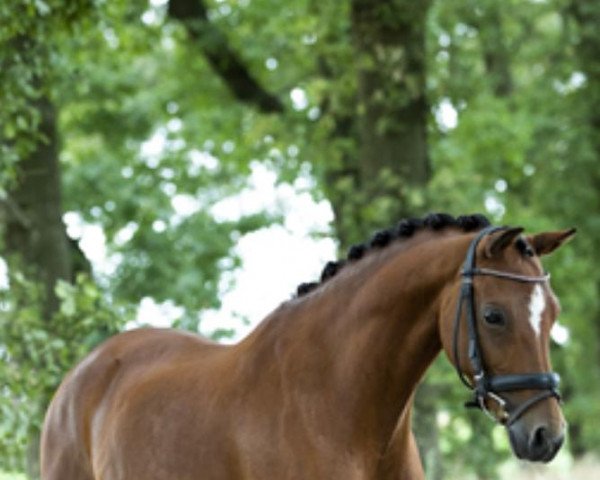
{"x": 34, "y": 232}
{"x": 393, "y": 163}
{"x": 37, "y": 235}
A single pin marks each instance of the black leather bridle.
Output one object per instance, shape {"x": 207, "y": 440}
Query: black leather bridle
{"x": 484, "y": 385}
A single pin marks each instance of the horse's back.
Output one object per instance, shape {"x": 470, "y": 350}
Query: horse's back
{"x": 96, "y": 388}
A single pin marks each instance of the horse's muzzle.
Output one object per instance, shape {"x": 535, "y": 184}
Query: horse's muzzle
{"x": 539, "y": 444}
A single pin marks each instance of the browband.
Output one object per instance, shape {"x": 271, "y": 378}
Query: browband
{"x": 507, "y": 275}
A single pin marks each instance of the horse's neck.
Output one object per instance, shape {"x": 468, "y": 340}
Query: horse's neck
{"x": 364, "y": 342}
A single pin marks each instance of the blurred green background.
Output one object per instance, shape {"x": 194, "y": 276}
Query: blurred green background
{"x": 115, "y": 112}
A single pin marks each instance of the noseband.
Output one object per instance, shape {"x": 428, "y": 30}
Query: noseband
{"x": 486, "y": 386}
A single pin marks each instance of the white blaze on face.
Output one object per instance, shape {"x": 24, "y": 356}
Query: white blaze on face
{"x": 537, "y": 304}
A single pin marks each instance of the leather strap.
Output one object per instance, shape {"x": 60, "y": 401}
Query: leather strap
{"x": 525, "y": 381}
{"x": 515, "y": 414}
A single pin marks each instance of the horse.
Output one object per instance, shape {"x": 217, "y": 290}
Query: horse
{"x": 323, "y": 388}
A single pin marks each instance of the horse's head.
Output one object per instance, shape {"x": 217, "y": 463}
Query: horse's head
{"x": 495, "y": 327}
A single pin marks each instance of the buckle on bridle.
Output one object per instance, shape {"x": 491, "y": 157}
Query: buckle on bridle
{"x": 482, "y": 393}
{"x": 504, "y": 415}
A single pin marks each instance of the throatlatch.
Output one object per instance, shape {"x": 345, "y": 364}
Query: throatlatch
{"x": 485, "y": 386}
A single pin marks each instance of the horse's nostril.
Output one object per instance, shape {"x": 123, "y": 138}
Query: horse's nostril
{"x": 540, "y": 440}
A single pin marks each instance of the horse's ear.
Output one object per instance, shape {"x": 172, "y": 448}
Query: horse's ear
{"x": 501, "y": 239}
{"x": 547, "y": 242}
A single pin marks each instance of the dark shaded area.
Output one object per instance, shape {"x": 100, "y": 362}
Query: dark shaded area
{"x": 223, "y": 59}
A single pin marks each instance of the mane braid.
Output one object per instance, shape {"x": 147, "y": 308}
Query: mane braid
{"x": 404, "y": 229}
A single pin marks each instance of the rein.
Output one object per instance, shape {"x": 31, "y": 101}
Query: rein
{"x": 486, "y": 386}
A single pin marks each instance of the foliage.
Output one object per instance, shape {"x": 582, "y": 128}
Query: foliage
{"x": 35, "y": 355}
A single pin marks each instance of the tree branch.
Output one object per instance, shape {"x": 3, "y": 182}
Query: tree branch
{"x": 224, "y": 61}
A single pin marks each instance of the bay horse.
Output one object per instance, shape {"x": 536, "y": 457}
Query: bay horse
{"x": 323, "y": 387}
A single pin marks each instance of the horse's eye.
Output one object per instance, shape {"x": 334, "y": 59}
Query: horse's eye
{"x": 493, "y": 316}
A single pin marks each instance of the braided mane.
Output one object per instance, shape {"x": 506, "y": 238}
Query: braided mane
{"x": 404, "y": 229}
